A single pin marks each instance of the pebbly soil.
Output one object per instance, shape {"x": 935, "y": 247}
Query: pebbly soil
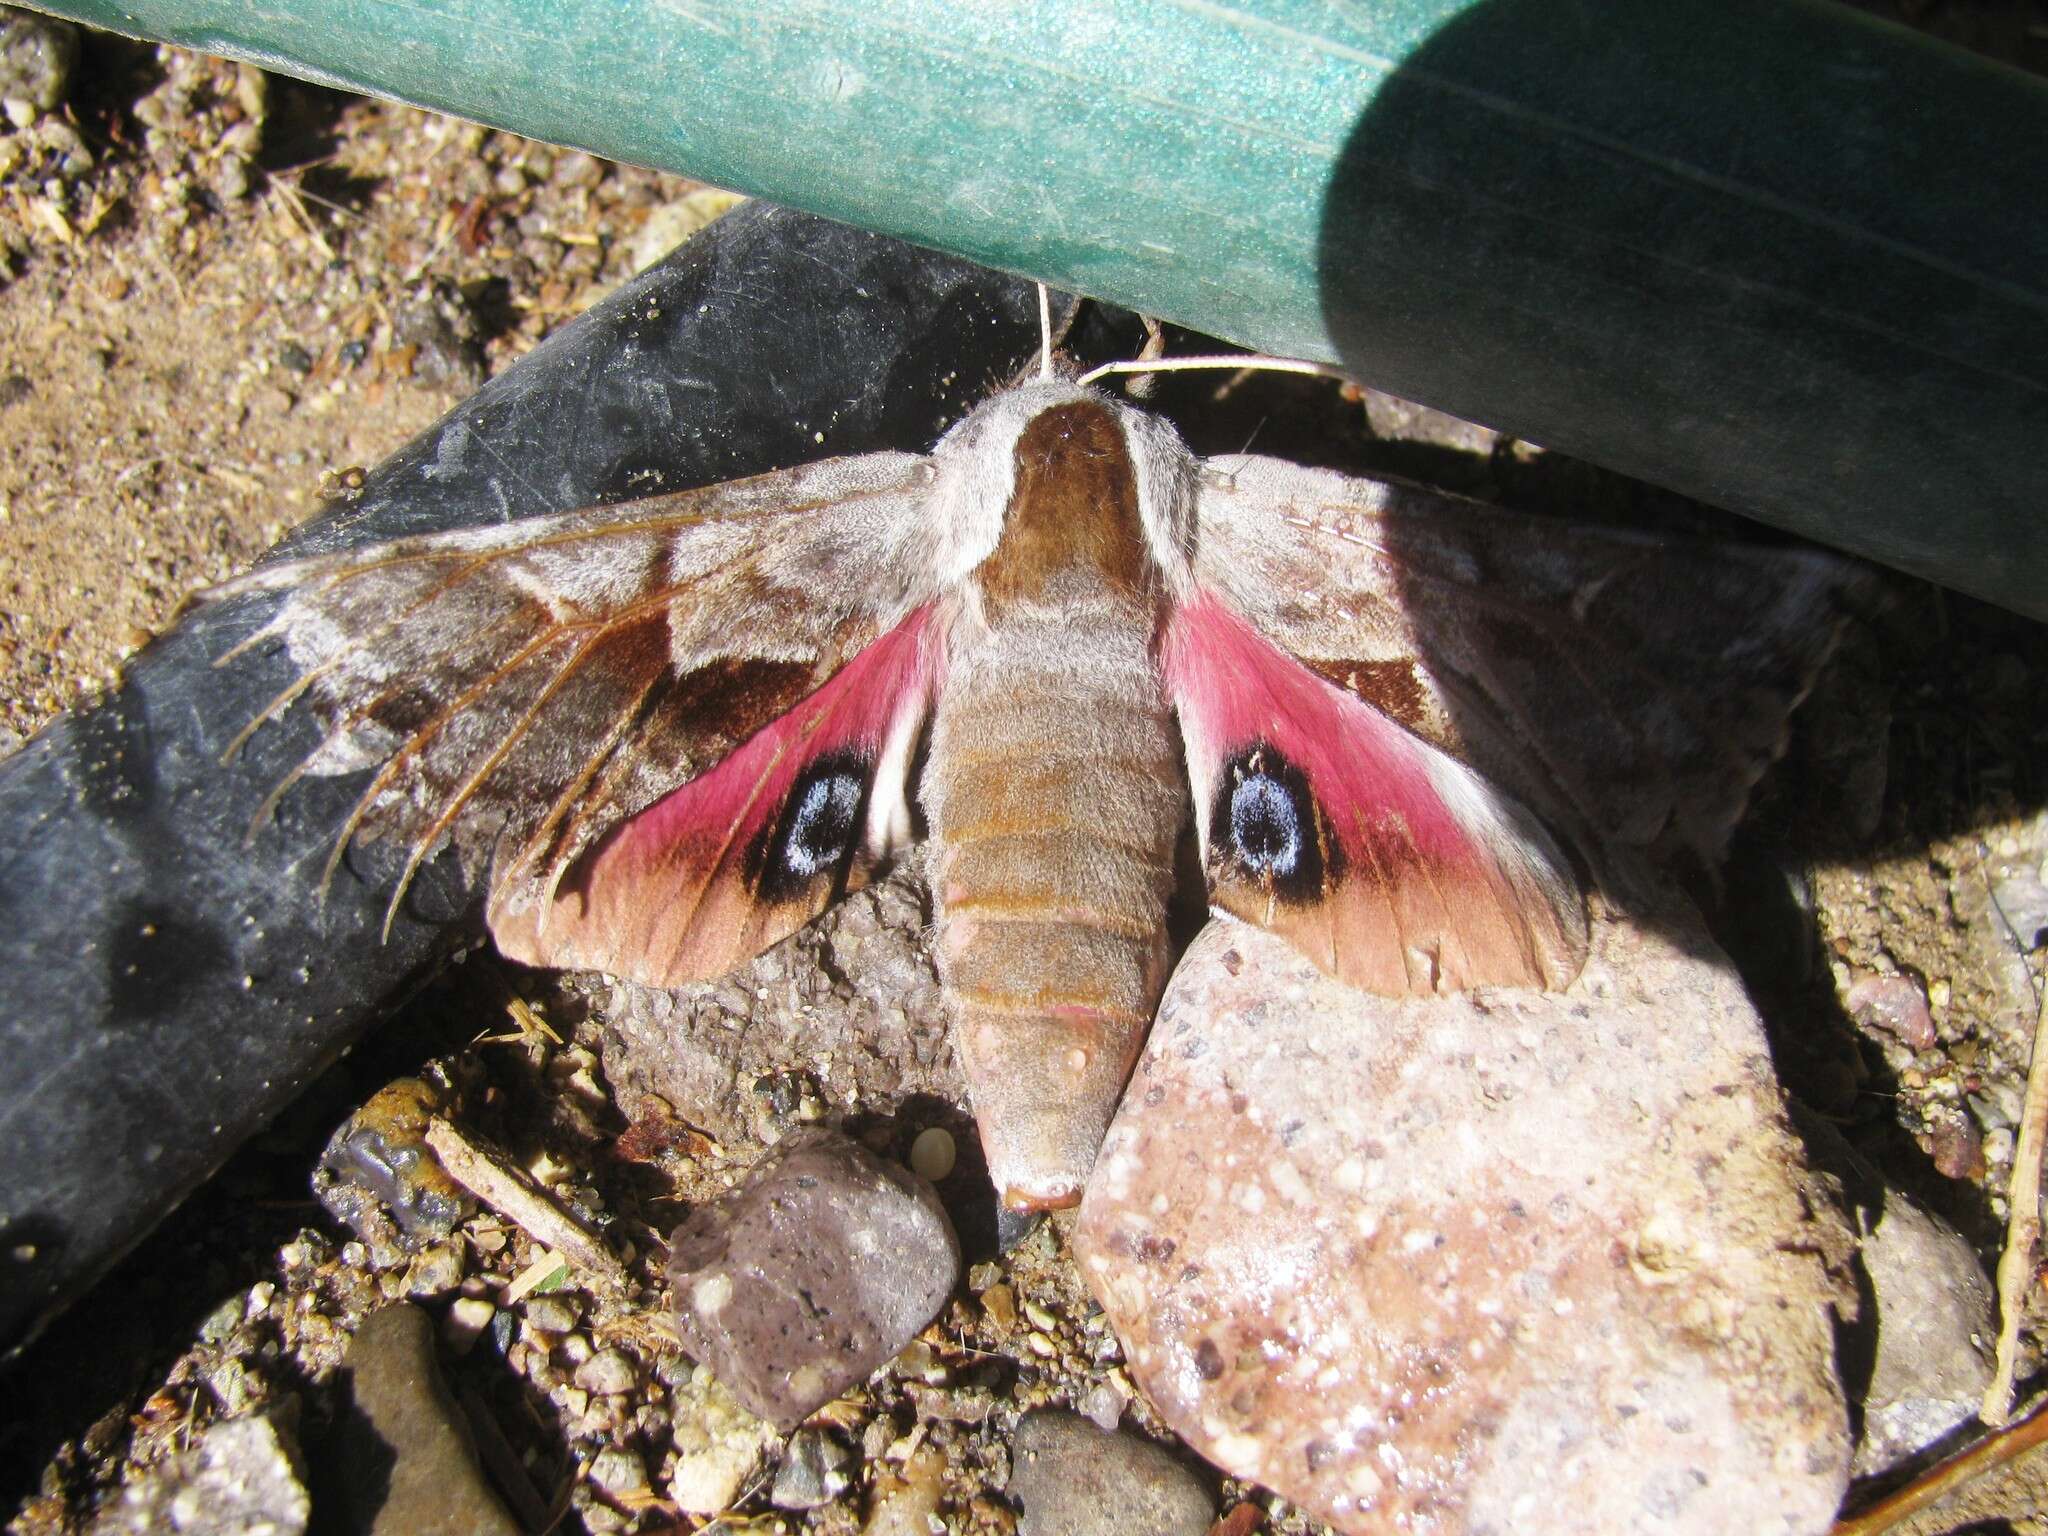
{"x": 244, "y": 285}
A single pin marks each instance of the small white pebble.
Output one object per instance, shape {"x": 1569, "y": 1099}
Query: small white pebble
{"x": 618, "y": 1471}
{"x": 466, "y": 1321}
{"x": 607, "y": 1374}
{"x": 982, "y": 1276}
{"x": 1104, "y": 1404}
{"x": 710, "y": 1294}
{"x": 932, "y": 1154}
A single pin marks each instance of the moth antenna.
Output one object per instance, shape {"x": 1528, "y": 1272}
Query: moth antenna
{"x": 1233, "y": 360}
{"x": 1045, "y": 335}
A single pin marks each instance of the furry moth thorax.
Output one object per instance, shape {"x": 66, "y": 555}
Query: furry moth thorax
{"x": 676, "y": 730}
{"x": 975, "y": 476}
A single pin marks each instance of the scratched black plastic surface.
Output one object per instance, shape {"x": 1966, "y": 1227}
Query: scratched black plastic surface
{"x": 165, "y": 988}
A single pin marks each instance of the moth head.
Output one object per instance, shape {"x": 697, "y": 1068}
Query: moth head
{"x": 975, "y": 475}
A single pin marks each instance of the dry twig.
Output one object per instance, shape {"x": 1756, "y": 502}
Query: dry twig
{"x": 545, "y": 1219}
{"x": 2023, "y": 1223}
{"x": 1950, "y": 1477}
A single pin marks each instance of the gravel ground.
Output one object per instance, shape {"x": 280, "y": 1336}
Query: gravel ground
{"x": 218, "y": 289}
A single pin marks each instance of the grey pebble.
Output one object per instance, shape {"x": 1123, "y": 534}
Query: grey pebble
{"x": 406, "y": 1466}
{"x": 1891, "y": 1007}
{"x": 1074, "y": 1480}
{"x": 66, "y": 150}
{"x": 378, "y": 1175}
{"x": 435, "y": 1270}
{"x": 813, "y": 1273}
{"x": 436, "y": 320}
{"x": 231, "y": 1386}
{"x": 37, "y": 56}
{"x": 556, "y": 1313}
{"x": 223, "y": 1319}
{"x": 1934, "y": 1309}
{"x": 618, "y": 1471}
{"x": 1103, "y": 1405}
{"x": 2022, "y": 900}
{"x": 607, "y": 1374}
{"x": 241, "y": 1479}
{"x": 573, "y": 168}
{"x": 815, "y": 1470}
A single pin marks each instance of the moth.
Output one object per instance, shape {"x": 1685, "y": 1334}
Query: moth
{"x": 675, "y": 730}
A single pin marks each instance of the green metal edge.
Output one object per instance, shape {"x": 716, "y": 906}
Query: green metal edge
{"x": 1766, "y": 252}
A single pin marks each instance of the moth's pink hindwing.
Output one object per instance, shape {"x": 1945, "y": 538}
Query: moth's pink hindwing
{"x": 742, "y": 856}
{"x": 1385, "y": 860}
{"x": 522, "y": 691}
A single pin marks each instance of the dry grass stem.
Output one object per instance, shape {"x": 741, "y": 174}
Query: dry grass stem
{"x": 506, "y": 1190}
{"x": 2023, "y": 1224}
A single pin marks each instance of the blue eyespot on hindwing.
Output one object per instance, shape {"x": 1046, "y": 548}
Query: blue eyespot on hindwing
{"x": 817, "y": 832}
{"x": 1264, "y": 826}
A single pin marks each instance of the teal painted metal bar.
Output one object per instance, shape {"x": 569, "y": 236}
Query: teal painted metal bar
{"x": 1766, "y": 252}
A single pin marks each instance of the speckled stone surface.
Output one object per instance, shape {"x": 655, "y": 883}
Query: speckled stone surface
{"x": 1935, "y": 1321}
{"x": 1504, "y": 1261}
{"x": 1074, "y": 1479}
{"x": 407, "y": 1466}
{"x": 718, "y": 1444}
{"x": 854, "y": 995}
{"x": 816, "y": 1270}
{"x": 239, "y": 1480}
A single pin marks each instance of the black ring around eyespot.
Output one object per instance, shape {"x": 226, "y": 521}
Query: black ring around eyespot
{"x": 1263, "y": 825}
{"x": 817, "y": 831}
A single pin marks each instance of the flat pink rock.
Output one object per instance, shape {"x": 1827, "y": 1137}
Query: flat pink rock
{"x": 1503, "y": 1261}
